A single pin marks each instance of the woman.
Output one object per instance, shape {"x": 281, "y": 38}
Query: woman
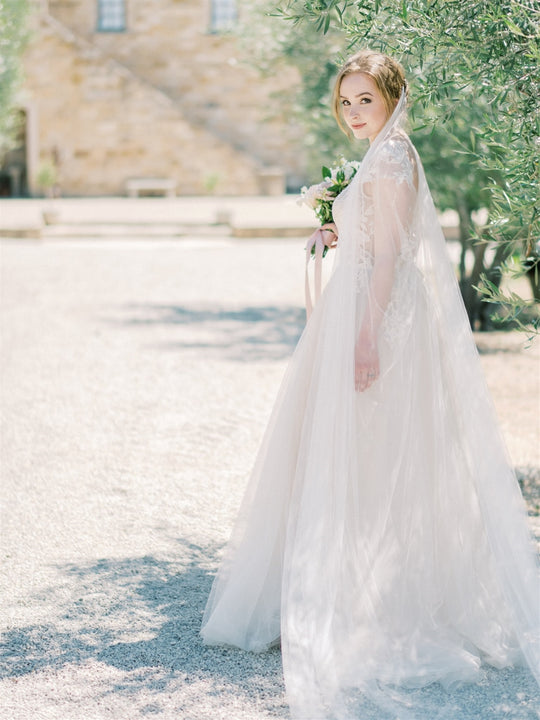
{"x": 383, "y": 537}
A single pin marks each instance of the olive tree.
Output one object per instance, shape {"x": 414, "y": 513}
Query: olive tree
{"x": 13, "y": 35}
{"x": 475, "y": 115}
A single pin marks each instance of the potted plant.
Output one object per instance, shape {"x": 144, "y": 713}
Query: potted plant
{"x": 47, "y": 178}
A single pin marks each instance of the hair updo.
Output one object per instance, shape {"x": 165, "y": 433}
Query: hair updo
{"x": 387, "y": 73}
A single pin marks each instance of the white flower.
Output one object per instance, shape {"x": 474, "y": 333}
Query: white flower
{"x": 311, "y": 195}
{"x": 319, "y": 197}
{"x": 349, "y": 167}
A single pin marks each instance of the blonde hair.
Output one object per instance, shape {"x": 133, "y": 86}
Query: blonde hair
{"x": 387, "y": 73}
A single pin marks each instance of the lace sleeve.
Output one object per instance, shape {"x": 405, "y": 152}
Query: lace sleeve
{"x": 392, "y": 183}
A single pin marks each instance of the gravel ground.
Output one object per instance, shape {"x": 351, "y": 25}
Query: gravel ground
{"x": 137, "y": 378}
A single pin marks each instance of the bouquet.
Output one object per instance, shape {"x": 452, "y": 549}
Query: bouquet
{"x": 321, "y": 197}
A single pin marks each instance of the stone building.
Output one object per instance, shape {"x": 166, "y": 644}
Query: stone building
{"x": 147, "y": 89}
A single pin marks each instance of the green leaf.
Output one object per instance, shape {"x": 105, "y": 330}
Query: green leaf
{"x": 326, "y": 24}
{"x": 404, "y": 10}
{"x": 513, "y": 26}
{"x": 326, "y": 172}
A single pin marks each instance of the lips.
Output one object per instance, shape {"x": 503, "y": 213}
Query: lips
{"x": 357, "y": 127}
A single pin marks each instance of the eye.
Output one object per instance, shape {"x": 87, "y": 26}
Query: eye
{"x": 345, "y": 103}
{"x": 365, "y": 101}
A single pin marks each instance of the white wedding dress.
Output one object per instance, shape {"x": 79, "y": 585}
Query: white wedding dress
{"x": 383, "y": 538}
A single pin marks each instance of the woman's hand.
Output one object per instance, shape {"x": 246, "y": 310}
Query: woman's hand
{"x": 366, "y": 362}
{"x": 329, "y": 234}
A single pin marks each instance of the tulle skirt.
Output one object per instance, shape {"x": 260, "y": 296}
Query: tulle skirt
{"x": 362, "y": 545}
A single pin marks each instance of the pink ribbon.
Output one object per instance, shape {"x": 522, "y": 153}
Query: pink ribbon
{"x": 319, "y": 248}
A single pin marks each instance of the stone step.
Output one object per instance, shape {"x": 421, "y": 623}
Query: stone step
{"x": 131, "y": 230}
{"x": 267, "y": 231}
{"x": 142, "y": 230}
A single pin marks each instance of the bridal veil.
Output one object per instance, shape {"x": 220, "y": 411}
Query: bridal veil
{"x": 383, "y": 538}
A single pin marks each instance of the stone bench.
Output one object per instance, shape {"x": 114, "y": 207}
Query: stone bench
{"x": 134, "y": 186}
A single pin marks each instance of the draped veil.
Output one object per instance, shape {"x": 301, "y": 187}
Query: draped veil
{"x": 383, "y": 537}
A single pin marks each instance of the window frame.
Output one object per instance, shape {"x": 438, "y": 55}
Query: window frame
{"x": 120, "y": 5}
{"x": 223, "y": 16}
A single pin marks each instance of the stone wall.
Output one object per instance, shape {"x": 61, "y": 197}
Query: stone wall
{"x": 165, "y": 98}
{"x": 103, "y": 125}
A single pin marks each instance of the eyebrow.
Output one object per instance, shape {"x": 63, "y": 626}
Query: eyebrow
{"x": 366, "y": 92}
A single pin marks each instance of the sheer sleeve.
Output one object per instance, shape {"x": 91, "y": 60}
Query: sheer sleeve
{"x": 392, "y": 188}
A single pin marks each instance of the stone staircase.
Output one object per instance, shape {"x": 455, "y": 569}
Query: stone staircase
{"x": 155, "y": 218}
{"x": 112, "y": 91}
{"x": 117, "y": 218}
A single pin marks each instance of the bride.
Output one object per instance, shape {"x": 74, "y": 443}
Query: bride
{"x": 383, "y": 539}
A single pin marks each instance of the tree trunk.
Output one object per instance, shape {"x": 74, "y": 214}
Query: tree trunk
{"x": 465, "y": 233}
{"x": 469, "y": 294}
{"x": 532, "y": 271}
{"x": 494, "y": 275}
{"x": 475, "y": 305}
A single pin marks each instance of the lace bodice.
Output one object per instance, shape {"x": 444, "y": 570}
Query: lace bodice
{"x": 395, "y": 165}
{"x": 374, "y": 216}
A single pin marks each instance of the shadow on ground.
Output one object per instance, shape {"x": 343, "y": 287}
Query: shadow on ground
{"x": 245, "y": 334}
{"x": 529, "y": 482}
{"x": 502, "y": 343}
{"x": 142, "y": 616}
{"x": 257, "y": 332}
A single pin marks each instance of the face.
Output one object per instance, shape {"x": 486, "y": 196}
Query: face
{"x": 362, "y": 105}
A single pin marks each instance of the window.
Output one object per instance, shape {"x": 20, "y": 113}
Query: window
{"x": 111, "y": 15}
{"x": 224, "y": 15}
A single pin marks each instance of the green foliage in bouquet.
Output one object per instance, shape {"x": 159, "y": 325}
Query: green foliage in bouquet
{"x": 321, "y": 197}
